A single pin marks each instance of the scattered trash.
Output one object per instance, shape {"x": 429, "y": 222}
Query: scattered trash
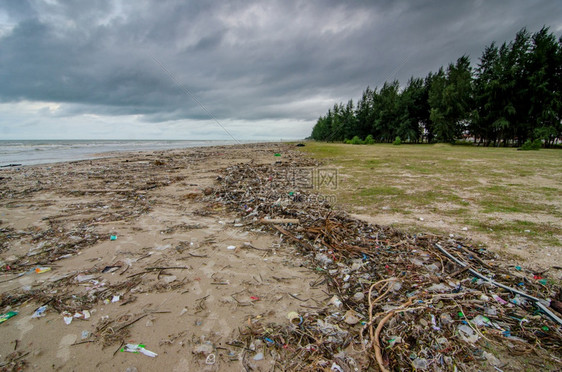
{"x": 434, "y": 323}
{"x": 446, "y": 318}
{"x": 336, "y": 367}
{"x": 110, "y": 269}
{"x": 500, "y": 300}
{"x": 351, "y": 317}
{"x": 41, "y": 270}
{"x": 467, "y": 333}
{"x": 138, "y": 348}
{"x": 204, "y": 348}
{"x": 83, "y": 278}
{"x": 359, "y": 296}
{"x": 85, "y": 335}
{"x": 394, "y": 340}
{"x": 518, "y": 300}
{"x": 294, "y": 318}
{"x": 113, "y": 237}
{"x": 258, "y": 356}
{"x": 441, "y": 287}
{"x": 7, "y": 316}
{"x": 395, "y": 298}
{"x": 67, "y": 318}
{"x": 40, "y": 312}
{"x": 444, "y": 298}
{"x": 481, "y": 321}
{"x": 231, "y": 247}
{"x": 420, "y": 363}
{"x": 335, "y": 301}
{"x": 170, "y": 279}
{"x": 323, "y": 259}
{"x": 491, "y": 358}
{"x": 163, "y": 247}
{"x": 115, "y": 298}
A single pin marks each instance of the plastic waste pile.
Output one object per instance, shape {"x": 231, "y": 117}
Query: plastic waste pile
{"x": 399, "y": 301}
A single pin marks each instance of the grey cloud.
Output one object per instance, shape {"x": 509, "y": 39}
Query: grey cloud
{"x": 244, "y": 60}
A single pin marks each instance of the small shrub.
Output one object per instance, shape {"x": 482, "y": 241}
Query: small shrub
{"x": 356, "y": 141}
{"x": 369, "y": 140}
{"x": 397, "y": 141}
{"x": 528, "y": 145}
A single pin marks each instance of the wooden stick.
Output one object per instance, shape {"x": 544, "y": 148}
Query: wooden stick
{"x": 197, "y": 255}
{"x": 100, "y": 190}
{"x": 458, "y": 272}
{"x": 296, "y": 298}
{"x": 259, "y": 249}
{"x": 108, "y": 222}
{"x": 378, "y": 353}
{"x": 133, "y": 321}
{"x": 280, "y": 220}
{"x": 376, "y": 342}
{"x": 82, "y": 342}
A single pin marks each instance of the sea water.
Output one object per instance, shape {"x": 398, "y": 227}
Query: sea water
{"x": 29, "y": 152}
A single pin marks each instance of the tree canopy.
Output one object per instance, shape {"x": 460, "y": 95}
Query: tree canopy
{"x": 514, "y": 94}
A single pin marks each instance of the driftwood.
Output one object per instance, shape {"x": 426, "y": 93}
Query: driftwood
{"x": 294, "y": 221}
{"x": 436, "y": 274}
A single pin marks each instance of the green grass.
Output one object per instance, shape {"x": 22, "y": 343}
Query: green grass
{"x": 500, "y": 192}
{"x": 381, "y": 191}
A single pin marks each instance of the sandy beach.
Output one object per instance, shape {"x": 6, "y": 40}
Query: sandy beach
{"x": 63, "y": 216}
{"x": 182, "y": 252}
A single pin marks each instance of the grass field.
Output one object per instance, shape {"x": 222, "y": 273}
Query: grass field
{"x": 509, "y": 200}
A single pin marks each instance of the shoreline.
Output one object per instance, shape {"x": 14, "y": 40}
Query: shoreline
{"x": 31, "y": 152}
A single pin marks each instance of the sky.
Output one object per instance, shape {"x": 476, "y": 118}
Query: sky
{"x": 219, "y": 69}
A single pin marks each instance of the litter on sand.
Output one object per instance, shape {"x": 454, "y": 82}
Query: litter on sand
{"x": 138, "y": 348}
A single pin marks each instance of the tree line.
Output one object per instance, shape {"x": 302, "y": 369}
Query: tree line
{"x": 511, "y": 96}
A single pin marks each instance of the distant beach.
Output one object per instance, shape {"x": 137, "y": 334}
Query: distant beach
{"x": 30, "y": 152}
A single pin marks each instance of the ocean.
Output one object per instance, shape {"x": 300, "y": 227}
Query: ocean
{"x": 29, "y": 152}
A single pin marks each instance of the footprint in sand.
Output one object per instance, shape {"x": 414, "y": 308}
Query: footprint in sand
{"x": 24, "y": 325}
{"x": 64, "y": 346}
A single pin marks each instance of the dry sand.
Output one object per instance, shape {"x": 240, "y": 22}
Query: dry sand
{"x": 62, "y": 216}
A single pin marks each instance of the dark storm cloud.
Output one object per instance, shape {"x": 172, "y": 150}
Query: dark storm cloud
{"x": 244, "y": 60}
